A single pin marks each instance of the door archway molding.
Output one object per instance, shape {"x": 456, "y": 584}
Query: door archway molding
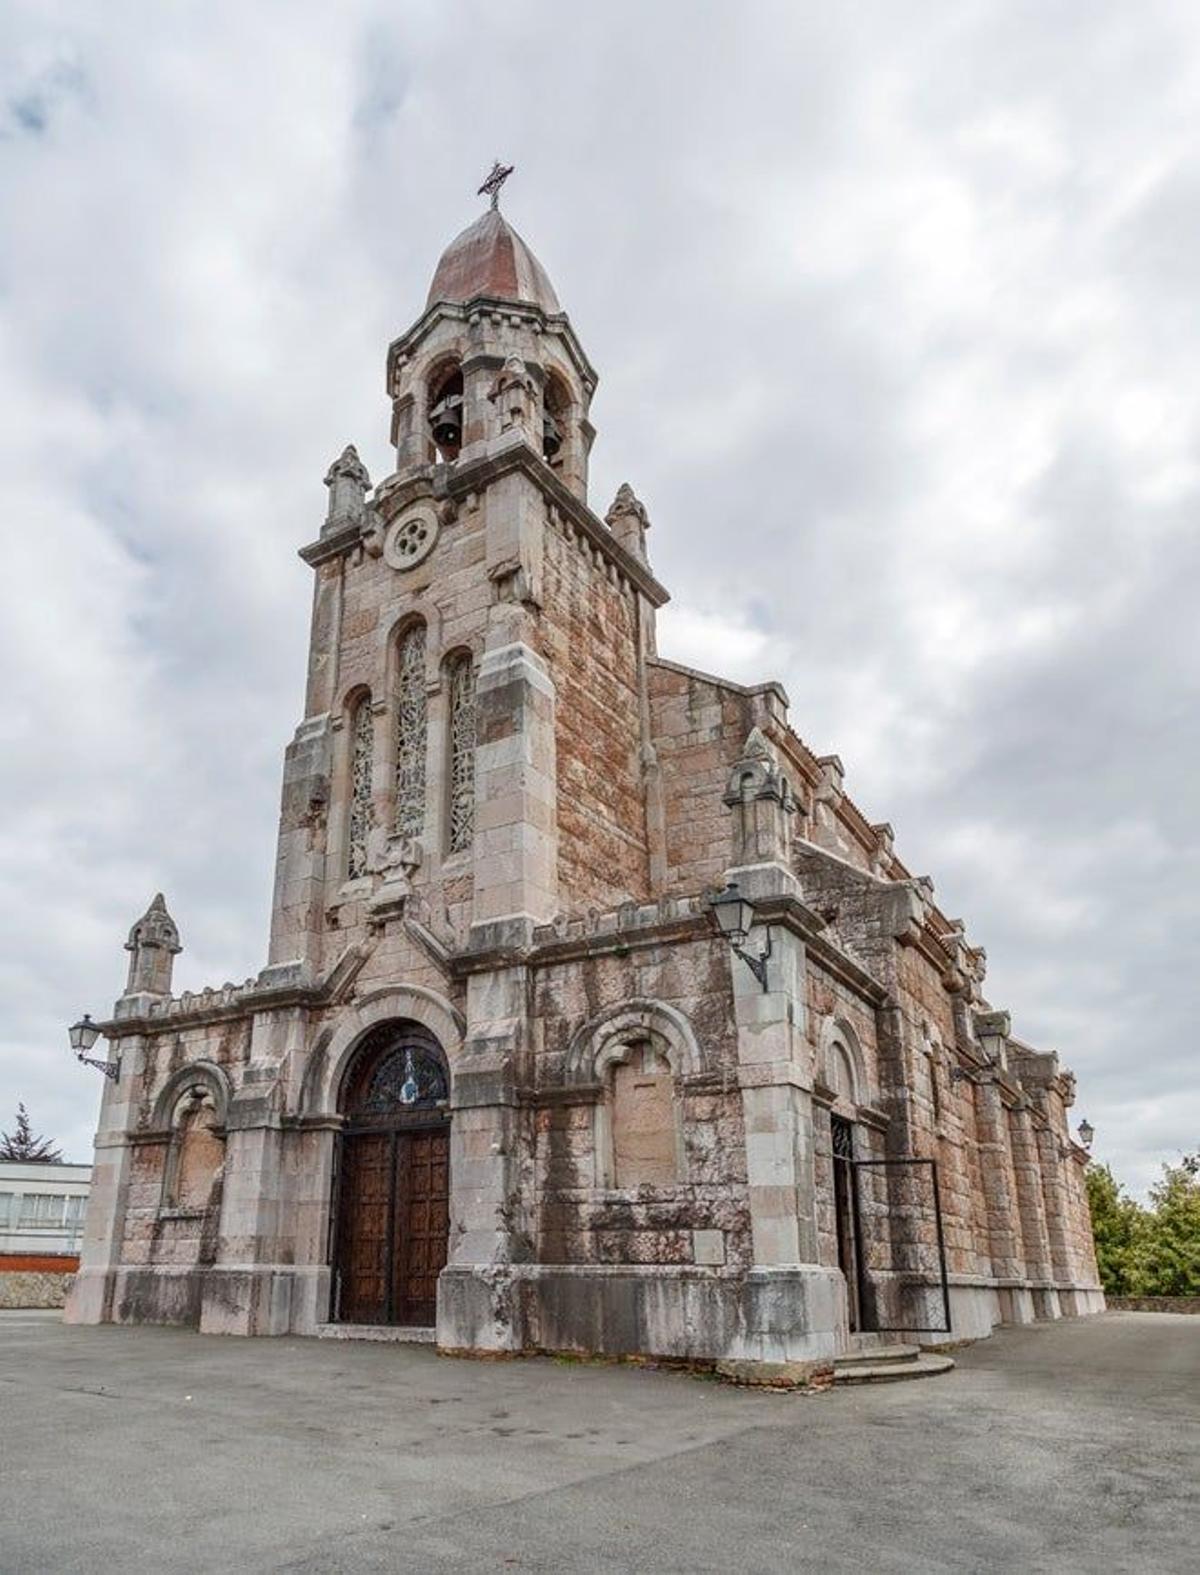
{"x": 327, "y": 1068}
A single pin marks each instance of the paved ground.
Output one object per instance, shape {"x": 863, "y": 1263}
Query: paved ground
{"x": 156, "y": 1452}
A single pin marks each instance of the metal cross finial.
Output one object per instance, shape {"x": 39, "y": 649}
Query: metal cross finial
{"x": 491, "y": 186}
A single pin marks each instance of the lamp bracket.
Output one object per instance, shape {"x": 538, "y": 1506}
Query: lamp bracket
{"x": 756, "y": 964}
{"x": 111, "y": 1069}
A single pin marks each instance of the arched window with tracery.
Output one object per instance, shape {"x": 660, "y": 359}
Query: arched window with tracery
{"x": 461, "y": 818}
{"x": 362, "y": 752}
{"x": 410, "y": 732}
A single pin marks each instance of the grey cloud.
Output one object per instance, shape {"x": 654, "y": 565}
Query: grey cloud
{"x": 890, "y": 306}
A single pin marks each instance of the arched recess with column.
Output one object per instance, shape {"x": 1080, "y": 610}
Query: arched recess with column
{"x": 205, "y": 1073}
{"x": 842, "y": 1065}
{"x": 637, "y": 1053}
{"x": 193, "y": 1107}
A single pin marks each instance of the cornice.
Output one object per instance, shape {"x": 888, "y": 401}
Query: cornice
{"x": 465, "y": 477}
{"x": 460, "y": 479}
{"x": 494, "y": 307}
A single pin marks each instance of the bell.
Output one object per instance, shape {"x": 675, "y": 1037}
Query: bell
{"x": 551, "y": 436}
{"x": 446, "y": 421}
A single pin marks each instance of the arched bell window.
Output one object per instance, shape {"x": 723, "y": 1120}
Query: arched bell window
{"x": 446, "y": 411}
{"x": 556, "y": 409}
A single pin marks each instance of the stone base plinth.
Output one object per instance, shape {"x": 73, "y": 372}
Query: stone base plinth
{"x": 976, "y": 1308}
{"x": 1078, "y": 1303}
{"x": 779, "y": 1315}
{"x": 259, "y": 1299}
{"x": 88, "y": 1298}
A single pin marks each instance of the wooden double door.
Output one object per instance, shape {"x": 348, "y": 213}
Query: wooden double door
{"x": 393, "y": 1223}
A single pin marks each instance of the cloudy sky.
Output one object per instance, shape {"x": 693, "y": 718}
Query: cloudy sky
{"x": 894, "y": 310}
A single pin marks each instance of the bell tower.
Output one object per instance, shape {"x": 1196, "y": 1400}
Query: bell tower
{"x": 460, "y": 600}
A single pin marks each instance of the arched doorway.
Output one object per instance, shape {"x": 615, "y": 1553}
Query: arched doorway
{"x": 393, "y": 1188}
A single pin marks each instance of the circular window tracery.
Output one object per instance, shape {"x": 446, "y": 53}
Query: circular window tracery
{"x": 411, "y": 538}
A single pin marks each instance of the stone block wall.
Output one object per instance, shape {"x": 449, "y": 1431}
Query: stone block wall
{"x": 1158, "y": 1304}
{"x": 583, "y": 1216}
{"x": 589, "y": 639}
{"x": 698, "y": 728}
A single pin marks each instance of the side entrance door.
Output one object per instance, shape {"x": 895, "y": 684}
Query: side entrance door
{"x": 846, "y": 1216}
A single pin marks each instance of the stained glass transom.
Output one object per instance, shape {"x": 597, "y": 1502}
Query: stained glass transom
{"x": 410, "y": 734}
{"x": 408, "y": 1078}
{"x": 462, "y": 753}
{"x": 360, "y": 789}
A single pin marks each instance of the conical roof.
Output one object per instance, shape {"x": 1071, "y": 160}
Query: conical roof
{"x": 490, "y": 258}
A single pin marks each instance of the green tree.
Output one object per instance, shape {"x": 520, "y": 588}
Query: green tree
{"x": 22, "y": 1145}
{"x": 1166, "y": 1258}
{"x": 1118, "y": 1225}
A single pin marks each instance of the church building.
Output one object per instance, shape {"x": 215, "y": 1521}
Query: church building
{"x": 597, "y": 1017}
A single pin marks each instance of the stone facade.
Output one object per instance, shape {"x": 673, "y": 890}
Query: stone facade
{"x": 503, "y": 817}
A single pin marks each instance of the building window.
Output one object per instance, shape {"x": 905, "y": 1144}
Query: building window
{"x": 6, "y": 1199}
{"x": 361, "y": 763}
{"x": 462, "y": 752}
{"x": 410, "y": 733}
{"x": 42, "y": 1211}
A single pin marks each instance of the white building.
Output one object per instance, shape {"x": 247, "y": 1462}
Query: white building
{"x": 42, "y": 1208}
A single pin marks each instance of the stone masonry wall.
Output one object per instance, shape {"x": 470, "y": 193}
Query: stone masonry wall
{"x": 589, "y": 640}
{"x": 580, "y": 1221}
{"x": 698, "y": 728}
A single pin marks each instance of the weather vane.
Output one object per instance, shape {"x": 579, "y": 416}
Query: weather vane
{"x": 491, "y": 186}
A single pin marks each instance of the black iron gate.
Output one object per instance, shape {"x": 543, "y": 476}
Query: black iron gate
{"x": 901, "y": 1248}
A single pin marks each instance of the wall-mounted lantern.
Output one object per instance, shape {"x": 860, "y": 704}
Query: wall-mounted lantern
{"x": 733, "y": 916}
{"x": 83, "y": 1035}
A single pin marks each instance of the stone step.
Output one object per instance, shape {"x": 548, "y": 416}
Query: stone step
{"x": 878, "y": 1353}
{"x": 920, "y": 1366}
{"x": 397, "y": 1333}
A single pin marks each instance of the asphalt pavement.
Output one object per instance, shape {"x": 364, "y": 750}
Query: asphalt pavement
{"x": 1064, "y": 1447}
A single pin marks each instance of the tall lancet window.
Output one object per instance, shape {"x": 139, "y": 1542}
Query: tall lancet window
{"x": 362, "y": 750}
{"x": 462, "y": 752}
{"x": 410, "y": 733}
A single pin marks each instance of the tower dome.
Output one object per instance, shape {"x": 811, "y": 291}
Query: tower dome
{"x": 490, "y": 258}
